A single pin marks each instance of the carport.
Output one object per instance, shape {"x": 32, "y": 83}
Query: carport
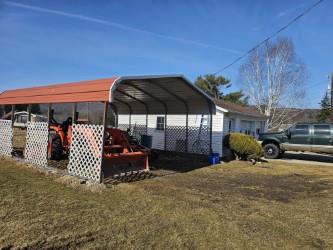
{"x": 144, "y": 95}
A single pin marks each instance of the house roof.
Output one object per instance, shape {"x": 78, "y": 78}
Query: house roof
{"x": 158, "y": 94}
{"x": 237, "y": 108}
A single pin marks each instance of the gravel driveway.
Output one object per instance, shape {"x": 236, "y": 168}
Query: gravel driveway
{"x": 307, "y": 158}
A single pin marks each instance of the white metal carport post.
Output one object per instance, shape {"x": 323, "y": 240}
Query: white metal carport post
{"x": 210, "y": 128}
{"x": 129, "y": 109}
{"x": 105, "y": 117}
{"x": 13, "y": 115}
{"x": 138, "y": 100}
{"x": 157, "y": 100}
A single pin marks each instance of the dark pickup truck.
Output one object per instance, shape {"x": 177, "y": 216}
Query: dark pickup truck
{"x": 312, "y": 137}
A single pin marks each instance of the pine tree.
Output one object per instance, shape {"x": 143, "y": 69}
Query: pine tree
{"x": 325, "y": 111}
{"x": 213, "y": 85}
{"x": 237, "y": 97}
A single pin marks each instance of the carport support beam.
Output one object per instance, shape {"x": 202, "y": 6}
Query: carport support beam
{"x": 115, "y": 110}
{"x": 138, "y": 100}
{"x": 130, "y": 120}
{"x": 165, "y": 132}
{"x": 211, "y": 131}
{"x": 147, "y": 123}
{"x": 29, "y": 112}
{"x": 158, "y": 100}
{"x": 129, "y": 109}
{"x": 13, "y": 115}
{"x": 186, "y": 133}
{"x": 181, "y": 100}
{"x": 49, "y": 110}
{"x": 75, "y": 113}
{"x": 105, "y": 114}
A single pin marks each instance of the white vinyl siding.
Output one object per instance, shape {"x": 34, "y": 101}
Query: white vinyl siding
{"x": 219, "y": 130}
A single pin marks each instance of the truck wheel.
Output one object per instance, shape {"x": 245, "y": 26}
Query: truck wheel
{"x": 56, "y": 149}
{"x": 271, "y": 151}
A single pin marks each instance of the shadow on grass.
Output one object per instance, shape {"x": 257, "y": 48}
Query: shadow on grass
{"x": 178, "y": 162}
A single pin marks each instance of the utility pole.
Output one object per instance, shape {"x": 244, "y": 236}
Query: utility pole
{"x": 331, "y": 97}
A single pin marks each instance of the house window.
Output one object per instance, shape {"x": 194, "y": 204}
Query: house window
{"x": 160, "y": 123}
{"x": 204, "y": 122}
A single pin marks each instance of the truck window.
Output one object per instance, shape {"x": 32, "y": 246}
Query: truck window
{"x": 302, "y": 129}
{"x": 322, "y": 129}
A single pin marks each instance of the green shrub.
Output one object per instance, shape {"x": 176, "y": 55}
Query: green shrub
{"x": 243, "y": 146}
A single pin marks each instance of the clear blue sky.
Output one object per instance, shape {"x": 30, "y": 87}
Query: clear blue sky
{"x": 43, "y": 41}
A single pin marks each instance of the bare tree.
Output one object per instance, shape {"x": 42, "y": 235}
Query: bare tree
{"x": 273, "y": 78}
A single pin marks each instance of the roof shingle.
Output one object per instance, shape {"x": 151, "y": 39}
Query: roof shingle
{"x": 236, "y": 108}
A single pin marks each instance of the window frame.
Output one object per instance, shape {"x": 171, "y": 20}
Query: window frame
{"x": 296, "y": 131}
{"x": 321, "y": 131}
{"x": 204, "y": 121}
{"x": 160, "y": 125}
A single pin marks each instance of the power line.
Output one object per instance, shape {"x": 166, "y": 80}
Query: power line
{"x": 270, "y": 37}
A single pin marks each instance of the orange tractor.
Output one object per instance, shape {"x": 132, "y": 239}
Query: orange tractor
{"x": 120, "y": 147}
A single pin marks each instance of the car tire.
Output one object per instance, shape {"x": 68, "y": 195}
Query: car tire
{"x": 271, "y": 151}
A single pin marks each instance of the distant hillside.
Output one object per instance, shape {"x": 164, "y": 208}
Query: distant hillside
{"x": 301, "y": 115}
{"x": 306, "y": 115}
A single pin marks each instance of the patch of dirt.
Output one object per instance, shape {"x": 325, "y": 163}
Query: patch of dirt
{"x": 76, "y": 183}
{"x": 282, "y": 188}
{"x": 62, "y": 164}
{"x": 128, "y": 177}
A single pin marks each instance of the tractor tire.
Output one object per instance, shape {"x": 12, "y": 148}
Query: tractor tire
{"x": 271, "y": 151}
{"x": 56, "y": 149}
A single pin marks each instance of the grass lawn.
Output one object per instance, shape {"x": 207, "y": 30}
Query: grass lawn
{"x": 231, "y": 206}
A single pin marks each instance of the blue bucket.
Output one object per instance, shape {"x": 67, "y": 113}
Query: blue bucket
{"x": 214, "y": 158}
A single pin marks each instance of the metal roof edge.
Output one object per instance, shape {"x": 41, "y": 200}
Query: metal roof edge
{"x": 143, "y": 77}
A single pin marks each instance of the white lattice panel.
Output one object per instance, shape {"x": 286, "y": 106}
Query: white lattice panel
{"x": 36, "y": 145}
{"x": 6, "y": 138}
{"x": 85, "y": 159}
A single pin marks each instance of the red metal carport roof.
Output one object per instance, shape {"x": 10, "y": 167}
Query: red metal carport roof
{"x": 83, "y": 91}
{"x": 172, "y": 94}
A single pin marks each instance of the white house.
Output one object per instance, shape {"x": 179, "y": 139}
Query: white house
{"x": 168, "y": 131}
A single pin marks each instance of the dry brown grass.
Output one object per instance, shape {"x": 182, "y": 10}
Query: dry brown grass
{"x": 231, "y": 206}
